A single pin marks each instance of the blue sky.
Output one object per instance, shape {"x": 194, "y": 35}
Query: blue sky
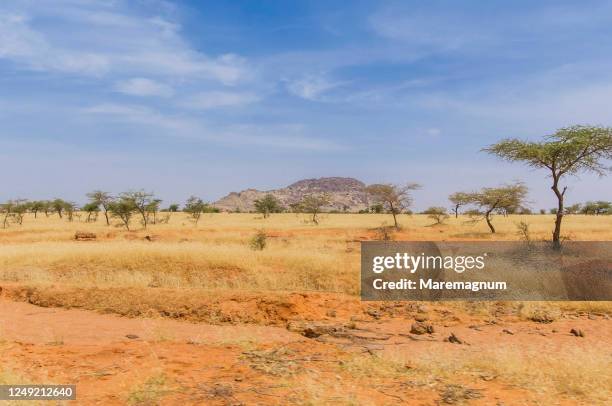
{"x": 208, "y": 97}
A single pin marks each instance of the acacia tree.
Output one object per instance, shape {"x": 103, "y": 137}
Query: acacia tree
{"x": 141, "y": 201}
{"x": 70, "y": 208}
{"x": 195, "y": 207}
{"x": 123, "y": 209}
{"x": 58, "y": 206}
{"x": 569, "y": 150}
{"x": 490, "y": 200}
{"x": 36, "y": 206}
{"x": 459, "y": 199}
{"x": 152, "y": 209}
{"x": 438, "y": 214}
{"x": 101, "y": 199}
{"x": 92, "y": 210}
{"x": 268, "y": 204}
{"x": 394, "y": 198}
{"x": 313, "y": 204}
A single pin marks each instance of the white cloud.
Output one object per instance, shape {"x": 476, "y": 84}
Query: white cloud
{"x": 143, "y": 87}
{"x": 312, "y": 87}
{"x": 159, "y": 124}
{"x": 111, "y": 39}
{"x": 213, "y": 99}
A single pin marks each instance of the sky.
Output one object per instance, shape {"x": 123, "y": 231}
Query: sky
{"x": 208, "y": 97}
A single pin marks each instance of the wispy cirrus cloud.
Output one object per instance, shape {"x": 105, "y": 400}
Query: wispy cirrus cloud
{"x": 277, "y": 136}
{"x": 143, "y": 87}
{"x": 312, "y": 87}
{"x": 215, "y": 99}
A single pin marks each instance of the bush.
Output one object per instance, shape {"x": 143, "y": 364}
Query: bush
{"x": 259, "y": 241}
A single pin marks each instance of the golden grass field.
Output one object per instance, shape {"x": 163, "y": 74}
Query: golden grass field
{"x": 307, "y": 273}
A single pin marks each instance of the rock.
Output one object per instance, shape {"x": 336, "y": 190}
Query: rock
{"x": 423, "y": 308}
{"x": 454, "y": 339}
{"x": 421, "y": 328}
{"x": 507, "y": 331}
{"x": 331, "y": 313}
{"x": 577, "y": 333}
{"x": 131, "y": 336}
{"x": 421, "y": 317}
{"x": 84, "y": 236}
{"x": 374, "y": 313}
{"x": 314, "y": 330}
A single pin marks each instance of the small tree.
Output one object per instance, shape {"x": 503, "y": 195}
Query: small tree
{"x": 195, "y": 207}
{"x": 490, "y": 200}
{"x": 459, "y": 199}
{"x": 568, "y": 151}
{"x": 58, "y": 206}
{"x": 152, "y": 209}
{"x": 101, "y": 199}
{"x": 268, "y": 204}
{"x": 141, "y": 201}
{"x": 313, "y": 204}
{"x": 438, "y": 214}
{"x": 123, "y": 209}
{"x": 173, "y": 208}
{"x": 7, "y": 211}
{"x": 46, "y": 207}
{"x": 394, "y": 198}
{"x": 69, "y": 209}
{"x": 36, "y": 206}
{"x": 92, "y": 210}
{"x": 14, "y": 210}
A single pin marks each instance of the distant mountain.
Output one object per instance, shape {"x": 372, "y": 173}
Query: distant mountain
{"x": 347, "y": 194}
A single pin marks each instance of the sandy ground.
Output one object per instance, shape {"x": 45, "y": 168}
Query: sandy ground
{"x": 119, "y": 360}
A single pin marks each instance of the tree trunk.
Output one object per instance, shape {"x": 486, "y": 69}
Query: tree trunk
{"x": 457, "y": 211}
{"x": 488, "y": 218}
{"x": 557, "y": 233}
{"x": 394, "y": 215}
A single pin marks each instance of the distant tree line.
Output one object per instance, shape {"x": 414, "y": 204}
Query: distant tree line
{"x": 568, "y": 151}
{"x": 143, "y": 206}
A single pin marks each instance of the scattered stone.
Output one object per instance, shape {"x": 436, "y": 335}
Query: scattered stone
{"x": 331, "y": 313}
{"x": 592, "y": 317}
{"x": 314, "y": 330}
{"x": 577, "y": 333}
{"x": 84, "y": 236}
{"x": 544, "y": 316}
{"x": 131, "y": 336}
{"x": 422, "y": 308}
{"x": 475, "y": 327}
{"x": 554, "y": 330}
{"x": 420, "y": 327}
{"x": 508, "y": 331}
{"x": 454, "y": 339}
{"x": 374, "y": 313}
{"x": 421, "y": 317}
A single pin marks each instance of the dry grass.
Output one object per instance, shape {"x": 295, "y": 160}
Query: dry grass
{"x": 216, "y": 254}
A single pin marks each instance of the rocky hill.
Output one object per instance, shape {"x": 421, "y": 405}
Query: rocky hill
{"x": 347, "y": 194}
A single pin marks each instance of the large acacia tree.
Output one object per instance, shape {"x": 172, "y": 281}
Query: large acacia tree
{"x": 568, "y": 151}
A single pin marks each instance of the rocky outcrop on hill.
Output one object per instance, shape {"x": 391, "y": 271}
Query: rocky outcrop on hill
{"x": 346, "y": 194}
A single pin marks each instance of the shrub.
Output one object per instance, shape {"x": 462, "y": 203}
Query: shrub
{"x": 259, "y": 241}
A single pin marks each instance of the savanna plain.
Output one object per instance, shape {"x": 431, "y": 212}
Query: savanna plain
{"x": 184, "y": 314}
